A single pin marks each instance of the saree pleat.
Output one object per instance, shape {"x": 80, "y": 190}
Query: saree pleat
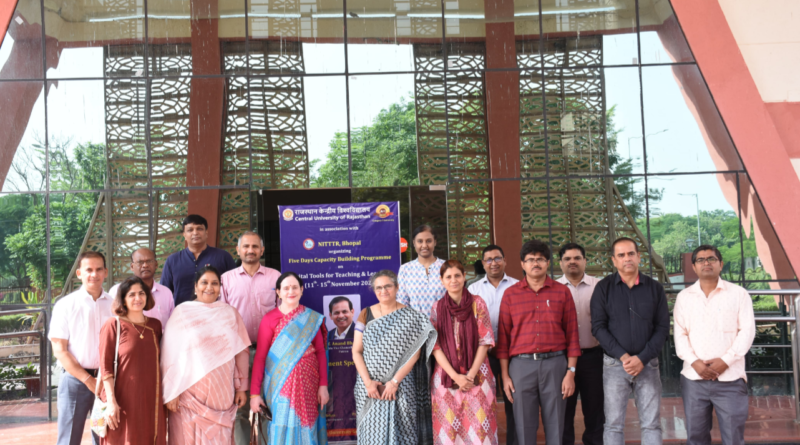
{"x": 291, "y": 382}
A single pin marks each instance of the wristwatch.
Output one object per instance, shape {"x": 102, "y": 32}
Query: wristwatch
{"x": 571, "y": 368}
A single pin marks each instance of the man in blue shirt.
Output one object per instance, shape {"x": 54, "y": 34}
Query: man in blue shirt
{"x": 180, "y": 267}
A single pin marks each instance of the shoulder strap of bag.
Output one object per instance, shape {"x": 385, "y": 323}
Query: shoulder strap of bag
{"x": 116, "y": 358}
{"x": 116, "y": 352}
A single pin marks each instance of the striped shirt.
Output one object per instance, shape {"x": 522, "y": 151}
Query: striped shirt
{"x": 537, "y": 322}
{"x": 419, "y": 288}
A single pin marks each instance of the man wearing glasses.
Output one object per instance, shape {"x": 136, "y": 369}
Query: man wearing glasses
{"x": 491, "y": 289}
{"x": 589, "y": 370}
{"x": 144, "y": 266}
{"x": 630, "y": 319}
{"x": 714, "y": 329}
{"x": 538, "y": 335}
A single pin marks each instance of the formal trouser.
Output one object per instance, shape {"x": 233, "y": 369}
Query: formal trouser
{"x": 589, "y": 384}
{"x": 646, "y": 388}
{"x": 74, "y": 404}
{"x": 537, "y": 383}
{"x": 728, "y": 399}
{"x": 511, "y": 432}
{"x": 241, "y": 426}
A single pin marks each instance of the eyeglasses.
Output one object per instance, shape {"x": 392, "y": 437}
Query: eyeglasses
{"x": 387, "y": 288}
{"x": 709, "y": 260}
{"x": 142, "y": 263}
{"x": 535, "y": 260}
{"x": 497, "y": 260}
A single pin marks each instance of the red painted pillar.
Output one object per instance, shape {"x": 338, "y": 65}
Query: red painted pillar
{"x": 7, "y": 8}
{"x": 502, "y": 118}
{"x": 207, "y": 98}
{"x": 746, "y": 117}
{"x": 25, "y": 62}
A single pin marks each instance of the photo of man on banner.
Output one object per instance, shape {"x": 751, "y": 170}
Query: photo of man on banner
{"x": 341, "y": 409}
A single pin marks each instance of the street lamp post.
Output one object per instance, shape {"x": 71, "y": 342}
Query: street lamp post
{"x": 697, "y": 201}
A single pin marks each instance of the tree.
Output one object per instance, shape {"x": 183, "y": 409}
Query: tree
{"x": 14, "y": 209}
{"x": 669, "y": 234}
{"x": 70, "y": 213}
{"x": 383, "y": 154}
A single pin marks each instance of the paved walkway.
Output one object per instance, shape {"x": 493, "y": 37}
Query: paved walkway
{"x": 771, "y": 420}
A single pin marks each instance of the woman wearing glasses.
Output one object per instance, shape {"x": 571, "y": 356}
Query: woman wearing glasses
{"x": 463, "y": 387}
{"x": 392, "y": 346}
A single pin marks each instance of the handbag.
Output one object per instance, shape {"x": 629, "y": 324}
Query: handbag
{"x": 97, "y": 419}
{"x": 257, "y": 421}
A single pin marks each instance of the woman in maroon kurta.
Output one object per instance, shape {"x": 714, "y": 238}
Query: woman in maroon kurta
{"x": 135, "y": 413}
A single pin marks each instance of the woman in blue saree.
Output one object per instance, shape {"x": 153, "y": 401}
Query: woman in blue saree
{"x": 290, "y": 371}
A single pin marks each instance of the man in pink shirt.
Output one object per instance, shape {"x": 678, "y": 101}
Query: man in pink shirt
{"x": 144, "y": 266}
{"x": 250, "y": 288}
{"x": 714, "y": 329}
{"x": 589, "y": 370}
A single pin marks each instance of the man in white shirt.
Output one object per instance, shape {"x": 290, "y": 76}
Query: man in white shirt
{"x": 589, "y": 370}
{"x": 75, "y": 336}
{"x": 714, "y": 329}
{"x": 144, "y": 266}
{"x": 491, "y": 289}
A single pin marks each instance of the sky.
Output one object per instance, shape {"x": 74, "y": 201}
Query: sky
{"x": 674, "y": 141}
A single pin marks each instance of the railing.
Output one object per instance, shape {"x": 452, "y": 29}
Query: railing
{"x": 44, "y": 357}
{"x": 794, "y": 319}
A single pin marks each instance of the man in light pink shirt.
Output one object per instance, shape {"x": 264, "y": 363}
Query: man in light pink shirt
{"x": 250, "y": 289}
{"x": 589, "y": 370}
{"x": 144, "y": 266}
{"x": 714, "y": 329}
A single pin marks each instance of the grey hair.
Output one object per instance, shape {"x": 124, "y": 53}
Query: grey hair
{"x": 383, "y": 273}
{"x": 249, "y": 232}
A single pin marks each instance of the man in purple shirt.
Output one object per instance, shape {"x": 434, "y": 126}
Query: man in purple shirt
{"x": 180, "y": 267}
{"x": 250, "y": 289}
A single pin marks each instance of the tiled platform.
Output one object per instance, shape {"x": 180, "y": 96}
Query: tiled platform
{"x": 771, "y": 421}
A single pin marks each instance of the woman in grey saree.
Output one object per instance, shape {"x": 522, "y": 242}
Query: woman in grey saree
{"x": 392, "y": 349}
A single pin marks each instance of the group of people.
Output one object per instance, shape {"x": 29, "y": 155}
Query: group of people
{"x": 175, "y": 359}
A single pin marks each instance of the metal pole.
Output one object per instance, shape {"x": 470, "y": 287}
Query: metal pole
{"x": 795, "y": 362}
{"x": 697, "y": 200}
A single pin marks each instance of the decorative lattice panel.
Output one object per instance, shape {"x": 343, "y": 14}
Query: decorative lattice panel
{"x": 452, "y": 143}
{"x": 272, "y": 110}
{"x": 129, "y": 209}
{"x": 277, "y": 115}
{"x": 579, "y": 209}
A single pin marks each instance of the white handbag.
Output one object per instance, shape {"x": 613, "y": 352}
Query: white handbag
{"x": 97, "y": 419}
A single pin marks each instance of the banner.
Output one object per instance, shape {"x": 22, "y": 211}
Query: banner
{"x": 336, "y": 247}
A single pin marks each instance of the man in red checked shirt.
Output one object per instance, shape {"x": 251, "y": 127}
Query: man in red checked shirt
{"x": 537, "y": 344}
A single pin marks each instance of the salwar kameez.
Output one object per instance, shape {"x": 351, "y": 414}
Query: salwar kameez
{"x": 466, "y": 417}
{"x": 137, "y": 386}
{"x": 205, "y": 362}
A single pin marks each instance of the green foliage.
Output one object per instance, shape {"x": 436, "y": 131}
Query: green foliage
{"x": 70, "y": 214}
{"x": 383, "y": 154}
{"x": 14, "y": 209}
{"x": 8, "y": 371}
{"x": 719, "y": 228}
{"x": 11, "y": 323}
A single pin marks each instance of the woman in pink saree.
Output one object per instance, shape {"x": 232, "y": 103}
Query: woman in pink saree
{"x": 204, "y": 362}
